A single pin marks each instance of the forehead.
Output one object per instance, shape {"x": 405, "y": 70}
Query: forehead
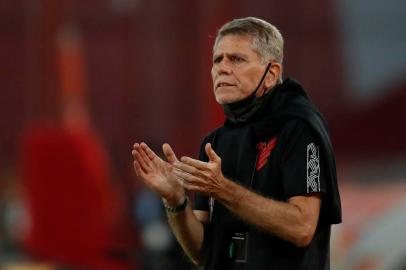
{"x": 234, "y": 44}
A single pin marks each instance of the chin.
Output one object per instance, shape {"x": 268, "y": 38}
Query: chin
{"x": 225, "y": 99}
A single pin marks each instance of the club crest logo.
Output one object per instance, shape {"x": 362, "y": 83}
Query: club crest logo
{"x": 265, "y": 149}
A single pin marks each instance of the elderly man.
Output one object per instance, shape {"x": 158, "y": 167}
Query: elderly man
{"x": 265, "y": 182}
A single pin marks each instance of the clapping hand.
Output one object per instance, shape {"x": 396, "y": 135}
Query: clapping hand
{"x": 158, "y": 174}
{"x": 199, "y": 176}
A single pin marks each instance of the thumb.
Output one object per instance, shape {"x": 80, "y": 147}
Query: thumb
{"x": 211, "y": 154}
{"x": 169, "y": 154}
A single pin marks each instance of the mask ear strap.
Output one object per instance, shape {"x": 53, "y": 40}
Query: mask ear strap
{"x": 262, "y": 79}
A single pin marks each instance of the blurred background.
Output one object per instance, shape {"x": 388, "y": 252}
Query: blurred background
{"x": 82, "y": 80}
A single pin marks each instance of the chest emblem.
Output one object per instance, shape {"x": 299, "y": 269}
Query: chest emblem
{"x": 264, "y": 149}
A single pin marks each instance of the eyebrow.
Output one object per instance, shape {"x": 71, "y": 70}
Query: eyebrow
{"x": 215, "y": 56}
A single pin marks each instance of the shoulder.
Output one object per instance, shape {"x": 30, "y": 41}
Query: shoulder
{"x": 296, "y": 135}
{"x": 297, "y": 128}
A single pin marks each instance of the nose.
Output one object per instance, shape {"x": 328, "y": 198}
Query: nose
{"x": 224, "y": 68}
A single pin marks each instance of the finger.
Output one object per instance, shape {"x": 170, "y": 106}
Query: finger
{"x": 137, "y": 147}
{"x": 151, "y": 154}
{"x": 180, "y": 174}
{"x": 141, "y": 160}
{"x": 191, "y": 187}
{"x": 195, "y": 163}
{"x": 144, "y": 155}
{"x": 138, "y": 170}
{"x": 187, "y": 168}
{"x": 169, "y": 153}
{"x": 189, "y": 178}
{"x": 178, "y": 177}
{"x": 210, "y": 153}
{"x": 133, "y": 153}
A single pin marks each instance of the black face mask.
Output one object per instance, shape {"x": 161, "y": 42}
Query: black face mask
{"x": 242, "y": 110}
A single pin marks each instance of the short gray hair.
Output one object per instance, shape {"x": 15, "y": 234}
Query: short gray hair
{"x": 267, "y": 40}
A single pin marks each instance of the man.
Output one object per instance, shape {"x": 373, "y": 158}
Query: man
{"x": 266, "y": 180}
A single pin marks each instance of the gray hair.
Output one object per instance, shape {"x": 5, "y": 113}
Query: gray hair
{"x": 267, "y": 41}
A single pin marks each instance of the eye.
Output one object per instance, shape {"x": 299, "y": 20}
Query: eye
{"x": 217, "y": 59}
{"x": 236, "y": 59}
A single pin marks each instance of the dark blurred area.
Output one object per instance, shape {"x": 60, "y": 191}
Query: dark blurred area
{"x": 81, "y": 81}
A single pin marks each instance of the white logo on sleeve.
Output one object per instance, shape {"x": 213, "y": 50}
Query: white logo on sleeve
{"x": 313, "y": 168}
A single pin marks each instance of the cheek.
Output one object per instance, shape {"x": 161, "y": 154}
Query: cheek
{"x": 213, "y": 74}
{"x": 244, "y": 87}
{"x": 249, "y": 84}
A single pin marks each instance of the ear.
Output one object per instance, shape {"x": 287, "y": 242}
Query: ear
{"x": 273, "y": 75}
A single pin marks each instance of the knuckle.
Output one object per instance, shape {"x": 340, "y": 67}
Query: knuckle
{"x": 211, "y": 174}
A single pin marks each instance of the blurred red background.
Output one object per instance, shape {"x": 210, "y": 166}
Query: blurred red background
{"x": 140, "y": 70}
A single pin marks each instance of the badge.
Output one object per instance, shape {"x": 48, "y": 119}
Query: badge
{"x": 237, "y": 250}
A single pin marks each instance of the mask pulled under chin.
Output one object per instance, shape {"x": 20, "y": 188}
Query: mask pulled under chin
{"x": 242, "y": 110}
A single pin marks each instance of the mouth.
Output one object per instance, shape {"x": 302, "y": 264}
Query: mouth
{"x": 223, "y": 84}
